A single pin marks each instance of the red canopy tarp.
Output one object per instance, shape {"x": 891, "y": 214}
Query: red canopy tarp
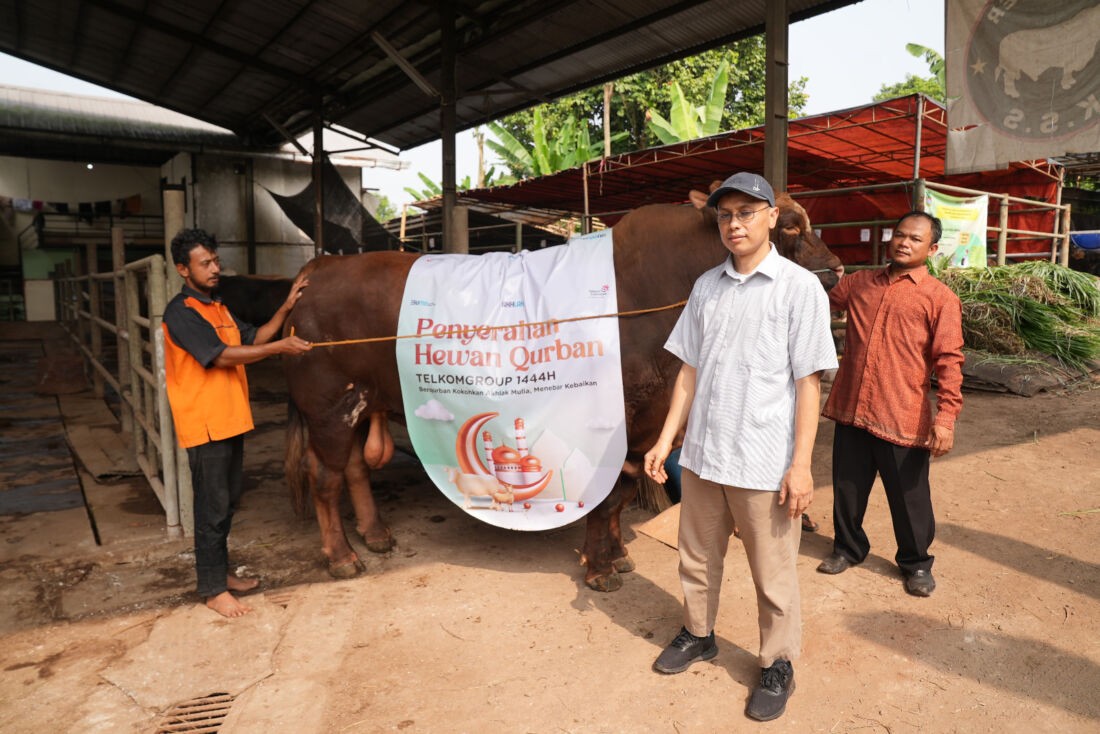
{"x": 863, "y": 146}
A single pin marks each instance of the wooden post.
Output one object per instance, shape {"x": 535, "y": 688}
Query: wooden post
{"x": 1002, "y": 236}
{"x": 917, "y": 137}
{"x": 176, "y": 495}
{"x": 519, "y": 237}
{"x": 1064, "y": 259}
{"x": 173, "y": 223}
{"x": 775, "y": 95}
{"x": 318, "y": 182}
{"x": 876, "y": 243}
{"x": 249, "y": 214}
{"x": 918, "y": 194}
{"x": 133, "y": 347}
{"x": 453, "y": 239}
{"x": 586, "y": 224}
{"x": 461, "y": 227}
{"x": 607, "y": 119}
{"x": 118, "y": 260}
{"x": 94, "y": 330}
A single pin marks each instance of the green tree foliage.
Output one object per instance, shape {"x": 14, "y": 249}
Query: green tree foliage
{"x": 686, "y": 121}
{"x": 934, "y": 86}
{"x": 386, "y": 210}
{"x": 433, "y": 189}
{"x": 634, "y": 95}
{"x": 567, "y": 147}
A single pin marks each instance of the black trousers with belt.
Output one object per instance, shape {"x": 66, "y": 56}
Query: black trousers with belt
{"x": 857, "y": 457}
{"x": 216, "y": 469}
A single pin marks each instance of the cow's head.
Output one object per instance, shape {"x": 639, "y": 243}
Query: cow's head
{"x": 793, "y": 237}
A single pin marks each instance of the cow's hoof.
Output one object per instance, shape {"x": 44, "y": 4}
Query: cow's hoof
{"x": 623, "y": 565}
{"x": 346, "y": 570}
{"x": 380, "y": 546}
{"x": 605, "y": 582}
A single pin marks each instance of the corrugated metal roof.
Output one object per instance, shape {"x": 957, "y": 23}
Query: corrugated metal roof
{"x": 46, "y": 124}
{"x": 231, "y": 63}
{"x": 33, "y": 109}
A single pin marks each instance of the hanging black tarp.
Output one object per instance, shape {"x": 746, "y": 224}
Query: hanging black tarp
{"x": 348, "y": 227}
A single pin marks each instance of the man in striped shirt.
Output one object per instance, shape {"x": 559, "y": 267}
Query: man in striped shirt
{"x": 754, "y": 339}
{"x": 903, "y": 324}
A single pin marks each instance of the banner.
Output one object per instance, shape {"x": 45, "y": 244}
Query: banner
{"x": 516, "y": 417}
{"x": 1023, "y": 81}
{"x": 964, "y": 219}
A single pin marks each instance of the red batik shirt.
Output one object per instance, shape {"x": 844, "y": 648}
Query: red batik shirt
{"x": 897, "y": 334}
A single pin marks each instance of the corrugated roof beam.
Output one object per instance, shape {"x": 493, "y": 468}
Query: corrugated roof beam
{"x": 190, "y": 52}
{"x": 329, "y": 60}
{"x": 402, "y": 63}
{"x": 124, "y": 60}
{"x": 267, "y": 44}
{"x": 144, "y": 19}
{"x": 20, "y": 28}
{"x": 78, "y": 35}
{"x": 285, "y": 133}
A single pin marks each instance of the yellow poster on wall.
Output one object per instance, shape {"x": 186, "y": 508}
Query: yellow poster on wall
{"x": 964, "y": 227}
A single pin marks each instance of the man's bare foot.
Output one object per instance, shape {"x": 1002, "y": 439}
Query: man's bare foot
{"x": 236, "y": 583}
{"x": 227, "y": 605}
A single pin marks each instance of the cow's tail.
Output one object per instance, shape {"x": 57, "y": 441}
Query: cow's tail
{"x": 295, "y": 461}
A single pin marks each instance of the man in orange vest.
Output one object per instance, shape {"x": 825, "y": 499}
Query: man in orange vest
{"x": 206, "y": 349}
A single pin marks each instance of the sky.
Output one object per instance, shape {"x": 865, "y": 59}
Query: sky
{"x": 846, "y": 55}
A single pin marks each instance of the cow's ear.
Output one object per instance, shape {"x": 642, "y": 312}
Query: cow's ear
{"x": 714, "y": 186}
{"x": 698, "y": 199}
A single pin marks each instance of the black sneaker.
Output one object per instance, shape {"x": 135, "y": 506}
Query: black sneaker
{"x": 769, "y": 699}
{"x": 685, "y": 650}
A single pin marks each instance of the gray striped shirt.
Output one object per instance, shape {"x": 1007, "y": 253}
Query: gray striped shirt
{"x": 749, "y": 337}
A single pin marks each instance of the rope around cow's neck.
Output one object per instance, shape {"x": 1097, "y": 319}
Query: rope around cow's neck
{"x": 455, "y": 332}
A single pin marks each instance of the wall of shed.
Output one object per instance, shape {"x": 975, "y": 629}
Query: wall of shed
{"x": 70, "y": 182}
{"x": 216, "y": 194}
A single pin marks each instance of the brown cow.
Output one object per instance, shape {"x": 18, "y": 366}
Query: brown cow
{"x": 343, "y": 394}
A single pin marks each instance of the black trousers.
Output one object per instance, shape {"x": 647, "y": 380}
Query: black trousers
{"x": 857, "y": 457}
{"x": 216, "y": 481}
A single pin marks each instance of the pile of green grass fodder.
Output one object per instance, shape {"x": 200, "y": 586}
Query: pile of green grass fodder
{"x": 1037, "y": 306}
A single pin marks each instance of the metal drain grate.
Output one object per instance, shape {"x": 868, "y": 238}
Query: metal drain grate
{"x": 203, "y": 715}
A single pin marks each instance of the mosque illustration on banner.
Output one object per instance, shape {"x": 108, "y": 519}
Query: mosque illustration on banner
{"x": 515, "y": 468}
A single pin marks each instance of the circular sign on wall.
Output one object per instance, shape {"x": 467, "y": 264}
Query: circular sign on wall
{"x": 1033, "y": 67}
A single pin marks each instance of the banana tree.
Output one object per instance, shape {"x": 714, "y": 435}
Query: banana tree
{"x": 551, "y": 151}
{"x": 686, "y": 121}
{"x": 432, "y": 189}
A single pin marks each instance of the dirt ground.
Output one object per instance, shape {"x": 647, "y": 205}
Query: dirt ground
{"x": 469, "y": 628}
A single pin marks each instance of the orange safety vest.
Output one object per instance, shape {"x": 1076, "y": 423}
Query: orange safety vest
{"x": 208, "y": 404}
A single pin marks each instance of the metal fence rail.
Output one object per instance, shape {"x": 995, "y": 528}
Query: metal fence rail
{"x": 135, "y": 294}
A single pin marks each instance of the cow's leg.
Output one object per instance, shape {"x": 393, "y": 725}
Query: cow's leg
{"x": 620, "y": 560}
{"x": 604, "y": 552}
{"x": 326, "y": 485}
{"x": 368, "y": 521}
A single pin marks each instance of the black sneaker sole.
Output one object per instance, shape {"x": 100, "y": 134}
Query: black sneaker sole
{"x": 705, "y": 655}
{"x": 778, "y": 713}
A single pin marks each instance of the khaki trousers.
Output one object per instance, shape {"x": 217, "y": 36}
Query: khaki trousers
{"x": 708, "y": 512}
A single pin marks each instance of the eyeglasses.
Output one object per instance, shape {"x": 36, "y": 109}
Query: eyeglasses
{"x": 744, "y": 216}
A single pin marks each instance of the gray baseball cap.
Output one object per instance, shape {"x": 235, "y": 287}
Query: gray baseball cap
{"x": 747, "y": 183}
